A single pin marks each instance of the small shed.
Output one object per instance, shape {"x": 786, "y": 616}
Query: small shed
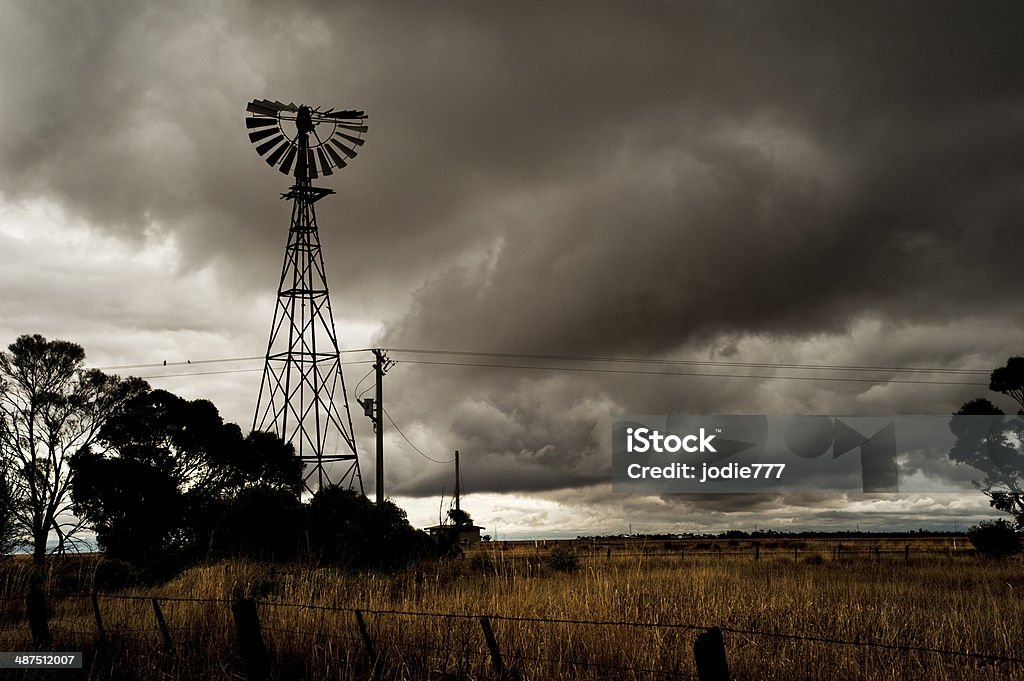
{"x": 456, "y": 535}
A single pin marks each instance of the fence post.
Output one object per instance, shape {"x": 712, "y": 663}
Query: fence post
{"x": 250, "y": 639}
{"x": 367, "y": 641}
{"x": 38, "y": 619}
{"x": 757, "y": 552}
{"x": 709, "y": 652}
{"x": 164, "y": 631}
{"x": 906, "y": 553}
{"x": 100, "y": 631}
{"x": 492, "y": 646}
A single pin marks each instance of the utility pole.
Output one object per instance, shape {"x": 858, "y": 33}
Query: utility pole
{"x": 457, "y": 486}
{"x": 374, "y": 409}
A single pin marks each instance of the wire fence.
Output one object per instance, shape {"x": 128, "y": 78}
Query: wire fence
{"x": 394, "y": 643}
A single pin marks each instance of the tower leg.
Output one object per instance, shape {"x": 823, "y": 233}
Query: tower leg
{"x": 302, "y": 395}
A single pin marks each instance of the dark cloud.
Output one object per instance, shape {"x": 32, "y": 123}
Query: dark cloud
{"x": 760, "y": 181}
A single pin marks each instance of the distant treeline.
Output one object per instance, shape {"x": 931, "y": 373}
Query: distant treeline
{"x": 772, "y": 534}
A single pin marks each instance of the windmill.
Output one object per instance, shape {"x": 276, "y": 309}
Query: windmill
{"x": 302, "y": 395}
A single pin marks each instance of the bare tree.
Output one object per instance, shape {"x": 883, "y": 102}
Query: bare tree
{"x": 50, "y": 407}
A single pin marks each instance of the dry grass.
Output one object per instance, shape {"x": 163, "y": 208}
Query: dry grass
{"x": 937, "y": 600}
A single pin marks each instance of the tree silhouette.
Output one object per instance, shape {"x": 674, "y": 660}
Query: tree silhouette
{"x": 165, "y": 469}
{"x": 50, "y": 407}
{"x": 9, "y": 534}
{"x": 995, "y": 445}
{"x": 348, "y": 529}
{"x": 460, "y": 518}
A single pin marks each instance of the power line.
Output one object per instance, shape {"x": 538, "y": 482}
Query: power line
{"x": 175, "y": 364}
{"x": 418, "y": 451}
{"x": 585, "y": 358}
{"x": 628, "y": 360}
{"x": 692, "y": 362}
{"x": 154, "y": 365}
{"x": 226, "y": 371}
{"x": 693, "y": 373}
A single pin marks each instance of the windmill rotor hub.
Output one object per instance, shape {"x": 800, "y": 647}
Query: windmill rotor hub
{"x": 303, "y": 120}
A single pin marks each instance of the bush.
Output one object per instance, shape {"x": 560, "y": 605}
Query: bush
{"x": 347, "y": 529}
{"x": 563, "y": 559}
{"x": 994, "y": 538}
{"x": 261, "y": 523}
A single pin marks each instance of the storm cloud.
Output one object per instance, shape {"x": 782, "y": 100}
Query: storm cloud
{"x": 786, "y": 182}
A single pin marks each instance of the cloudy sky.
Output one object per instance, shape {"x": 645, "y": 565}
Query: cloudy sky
{"x": 740, "y": 183}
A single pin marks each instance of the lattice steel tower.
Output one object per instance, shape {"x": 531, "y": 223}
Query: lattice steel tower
{"x": 302, "y": 396}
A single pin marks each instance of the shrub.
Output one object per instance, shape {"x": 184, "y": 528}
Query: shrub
{"x": 994, "y": 538}
{"x": 563, "y": 559}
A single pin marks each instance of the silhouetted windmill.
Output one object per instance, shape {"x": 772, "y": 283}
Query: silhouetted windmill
{"x": 302, "y": 396}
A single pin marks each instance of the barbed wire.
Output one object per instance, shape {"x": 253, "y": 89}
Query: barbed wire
{"x": 902, "y": 647}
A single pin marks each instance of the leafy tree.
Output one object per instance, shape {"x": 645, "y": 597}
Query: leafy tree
{"x": 460, "y": 518}
{"x": 994, "y": 538}
{"x": 994, "y": 446}
{"x": 163, "y": 472}
{"x": 50, "y": 407}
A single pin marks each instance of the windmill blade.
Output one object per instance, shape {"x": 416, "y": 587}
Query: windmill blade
{"x": 351, "y": 113}
{"x": 278, "y": 153}
{"x": 325, "y": 163}
{"x": 267, "y": 146}
{"x": 351, "y": 153}
{"x": 261, "y": 122}
{"x": 357, "y": 128}
{"x": 358, "y": 141}
{"x": 286, "y": 164}
{"x": 261, "y": 134}
{"x": 339, "y": 162}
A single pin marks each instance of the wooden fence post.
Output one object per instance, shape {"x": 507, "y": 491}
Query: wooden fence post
{"x": 164, "y": 631}
{"x": 492, "y": 646}
{"x": 367, "y": 641}
{"x": 906, "y": 553}
{"x": 709, "y": 652}
{"x": 100, "y": 631}
{"x": 250, "y": 639}
{"x": 38, "y": 618}
{"x": 757, "y": 552}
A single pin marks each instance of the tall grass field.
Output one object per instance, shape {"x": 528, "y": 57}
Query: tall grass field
{"x": 875, "y": 610}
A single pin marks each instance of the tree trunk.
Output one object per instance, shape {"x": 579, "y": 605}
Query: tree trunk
{"x": 39, "y": 547}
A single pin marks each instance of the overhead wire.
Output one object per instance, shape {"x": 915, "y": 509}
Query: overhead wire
{"x": 226, "y": 371}
{"x": 625, "y": 360}
{"x": 417, "y": 449}
{"x": 689, "y": 362}
{"x": 844, "y": 379}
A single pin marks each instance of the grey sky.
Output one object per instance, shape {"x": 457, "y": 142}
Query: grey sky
{"x": 814, "y": 182}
